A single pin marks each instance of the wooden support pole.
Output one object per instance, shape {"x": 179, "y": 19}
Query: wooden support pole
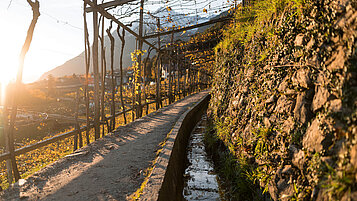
{"x": 158, "y": 74}
{"x": 112, "y": 44}
{"x": 36, "y": 14}
{"x": 145, "y": 72}
{"x": 133, "y": 95}
{"x": 144, "y": 85}
{"x": 87, "y": 64}
{"x": 122, "y": 39}
{"x": 96, "y": 73}
{"x": 185, "y": 81}
{"x": 103, "y": 74}
{"x": 5, "y": 131}
{"x": 139, "y": 108}
{"x": 178, "y": 72}
{"x": 77, "y": 138}
{"x": 171, "y": 97}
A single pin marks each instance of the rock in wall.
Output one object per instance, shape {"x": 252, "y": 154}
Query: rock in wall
{"x": 285, "y": 101}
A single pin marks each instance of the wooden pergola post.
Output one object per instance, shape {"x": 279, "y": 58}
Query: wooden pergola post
{"x": 144, "y": 77}
{"x": 87, "y": 64}
{"x": 78, "y": 137}
{"x": 10, "y": 132}
{"x": 96, "y": 73}
{"x": 103, "y": 74}
{"x": 122, "y": 39}
{"x": 5, "y": 131}
{"x": 112, "y": 44}
{"x": 139, "y": 108}
{"x": 158, "y": 74}
{"x": 178, "y": 72}
{"x": 170, "y": 69}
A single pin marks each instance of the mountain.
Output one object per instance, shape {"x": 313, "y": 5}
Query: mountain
{"x": 76, "y": 65}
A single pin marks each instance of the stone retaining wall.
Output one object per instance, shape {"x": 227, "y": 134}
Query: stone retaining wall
{"x": 166, "y": 179}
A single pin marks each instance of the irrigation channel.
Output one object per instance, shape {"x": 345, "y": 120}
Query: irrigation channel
{"x": 201, "y": 182}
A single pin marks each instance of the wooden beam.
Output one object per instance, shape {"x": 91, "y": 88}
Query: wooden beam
{"x": 188, "y": 28}
{"x": 109, "y": 4}
{"x": 111, "y": 17}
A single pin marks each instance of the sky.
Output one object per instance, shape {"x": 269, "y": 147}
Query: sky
{"x": 58, "y": 35}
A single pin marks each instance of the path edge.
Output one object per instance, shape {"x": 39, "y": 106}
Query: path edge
{"x": 166, "y": 179}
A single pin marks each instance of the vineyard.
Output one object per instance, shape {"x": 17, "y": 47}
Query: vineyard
{"x": 31, "y": 161}
{"x": 88, "y": 107}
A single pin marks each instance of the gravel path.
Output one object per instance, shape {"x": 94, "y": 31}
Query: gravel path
{"x": 111, "y": 168}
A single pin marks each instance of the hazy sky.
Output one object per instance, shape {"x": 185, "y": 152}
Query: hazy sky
{"x": 58, "y": 35}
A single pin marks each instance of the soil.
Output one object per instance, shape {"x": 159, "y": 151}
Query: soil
{"x": 111, "y": 168}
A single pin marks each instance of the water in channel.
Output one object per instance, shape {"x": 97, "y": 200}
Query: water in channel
{"x": 201, "y": 182}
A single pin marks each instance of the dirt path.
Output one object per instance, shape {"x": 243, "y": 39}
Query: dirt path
{"x": 111, "y": 168}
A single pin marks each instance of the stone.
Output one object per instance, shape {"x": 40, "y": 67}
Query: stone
{"x": 310, "y": 44}
{"x": 287, "y": 170}
{"x": 339, "y": 148}
{"x": 267, "y": 123}
{"x": 286, "y": 190}
{"x": 235, "y": 104}
{"x": 299, "y": 159}
{"x": 354, "y": 155}
{"x": 273, "y": 190}
{"x": 322, "y": 79}
{"x": 320, "y": 98}
{"x": 302, "y": 112}
{"x": 293, "y": 148}
{"x": 288, "y": 125}
{"x": 302, "y": 78}
{"x": 339, "y": 5}
{"x": 337, "y": 61}
{"x": 299, "y": 40}
{"x": 314, "y": 140}
{"x": 335, "y": 105}
{"x": 283, "y": 105}
{"x": 270, "y": 99}
{"x": 283, "y": 85}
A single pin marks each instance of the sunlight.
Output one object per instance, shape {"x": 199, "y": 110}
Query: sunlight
{"x": 8, "y": 70}
{"x": 9, "y": 50}
{"x": 7, "y": 74}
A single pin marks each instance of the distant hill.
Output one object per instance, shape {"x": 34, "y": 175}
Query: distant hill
{"x": 77, "y": 65}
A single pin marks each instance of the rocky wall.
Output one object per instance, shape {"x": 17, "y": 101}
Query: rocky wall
{"x": 285, "y": 104}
